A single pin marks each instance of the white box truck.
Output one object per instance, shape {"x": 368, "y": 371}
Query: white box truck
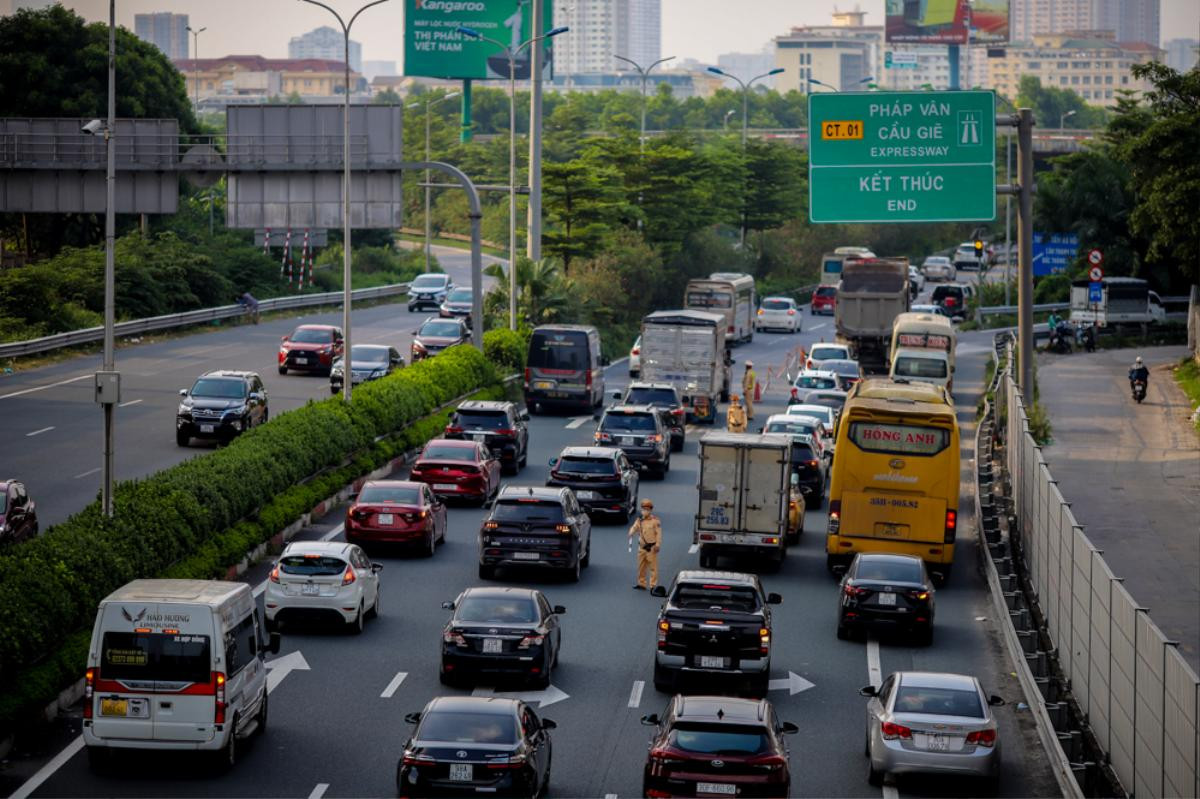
{"x": 1123, "y": 301}
{"x": 686, "y": 348}
{"x": 744, "y": 492}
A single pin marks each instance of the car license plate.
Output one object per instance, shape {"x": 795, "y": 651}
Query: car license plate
{"x": 543, "y": 384}
{"x": 479, "y": 436}
{"x": 207, "y": 428}
{"x": 526, "y": 555}
{"x": 887, "y": 599}
{"x": 585, "y": 494}
{"x": 492, "y": 646}
{"x": 300, "y": 360}
{"x": 445, "y": 487}
{"x": 114, "y": 707}
{"x": 626, "y": 441}
{"x": 716, "y": 788}
{"x": 310, "y": 589}
{"x": 385, "y": 518}
{"x": 461, "y": 772}
{"x": 709, "y": 662}
{"x": 938, "y": 743}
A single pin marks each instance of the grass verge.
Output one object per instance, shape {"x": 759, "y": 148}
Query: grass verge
{"x": 1187, "y": 375}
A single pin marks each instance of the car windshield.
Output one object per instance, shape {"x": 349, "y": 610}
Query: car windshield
{"x": 776, "y": 305}
{"x": 826, "y": 291}
{"x": 169, "y": 657}
{"x": 938, "y": 702}
{"x": 312, "y": 565}
{"x": 496, "y": 610}
{"x": 652, "y": 396}
{"x": 801, "y": 453}
{"x": 720, "y": 739}
{"x": 460, "y": 295}
{"x": 558, "y": 349}
{"x": 947, "y": 291}
{"x": 888, "y": 570}
{"x": 846, "y": 368}
{"x": 311, "y": 335}
{"x": 440, "y": 329}
{"x": 463, "y": 728}
{"x": 919, "y": 367}
{"x": 792, "y": 427}
{"x": 400, "y": 495}
{"x": 369, "y": 354}
{"x": 716, "y": 596}
{"x": 628, "y": 423}
{"x": 526, "y": 510}
{"x": 813, "y": 381}
{"x": 826, "y": 353}
{"x": 217, "y": 388}
{"x": 482, "y": 420}
{"x": 429, "y": 282}
{"x": 448, "y": 452}
{"x": 587, "y": 466}
{"x": 819, "y": 411}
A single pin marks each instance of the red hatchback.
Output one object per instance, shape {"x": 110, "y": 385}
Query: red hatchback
{"x": 396, "y": 512}
{"x": 453, "y": 468}
{"x": 311, "y": 348}
{"x": 717, "y": 746}
{"x": 824, "y": 300}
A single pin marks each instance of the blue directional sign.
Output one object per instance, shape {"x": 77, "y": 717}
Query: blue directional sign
{"x": 1053, "y": 252}
{"x": 1095, "y": 292}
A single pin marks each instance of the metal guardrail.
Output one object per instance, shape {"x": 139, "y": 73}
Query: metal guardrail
{"x": 197, "y": 317}
{"x": 999, "y": 309}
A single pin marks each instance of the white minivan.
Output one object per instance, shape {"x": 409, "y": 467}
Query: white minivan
{"x": 175, "y": 665}
{"x": 923, "y": 366}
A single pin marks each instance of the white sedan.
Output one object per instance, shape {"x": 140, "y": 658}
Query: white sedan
{"x": 939, "y": 267}
{"x": 315, "y": 580}
{"x": 778, "y": 313}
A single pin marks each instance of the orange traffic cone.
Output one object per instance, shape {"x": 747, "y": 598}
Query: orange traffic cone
{"x": 757, "y": 391}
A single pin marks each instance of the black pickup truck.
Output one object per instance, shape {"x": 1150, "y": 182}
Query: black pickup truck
{"x": 714, "y": 624}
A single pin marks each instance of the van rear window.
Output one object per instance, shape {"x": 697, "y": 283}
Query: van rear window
{"x": 919, "y": 367}
{"x": 166, "y": 657}
{"x": 565, "y": 350}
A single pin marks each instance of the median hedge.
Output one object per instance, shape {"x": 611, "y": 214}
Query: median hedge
{"x": 197, "y": 518}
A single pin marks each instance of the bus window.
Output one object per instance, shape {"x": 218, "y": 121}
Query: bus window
{"x": 709, "y": 299}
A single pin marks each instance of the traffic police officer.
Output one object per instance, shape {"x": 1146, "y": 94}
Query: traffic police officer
{"x": 649, "y": 532}
{"x": 735, "y": 417}
{"x": 749, "y": 381}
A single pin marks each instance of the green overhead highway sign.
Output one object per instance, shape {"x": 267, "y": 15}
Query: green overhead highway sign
{"x": 902, "y": 156}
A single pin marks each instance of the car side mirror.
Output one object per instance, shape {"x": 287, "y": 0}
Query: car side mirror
{"x": 788, "y": 728}
{"x": 559, "y": 610}
{"x": 774, "y": 599}
{"x": 376, "y": 567}
{"x": 868, "y": 690}
{"x": 658, "y": 591}
{"x": 553, "y": 462}
{"x": 284, "y": 338}
{"x": 523, "y": 415}
{"x": 616, "y": 395}
{"x": 414, "y": 332}
{"x": 651, "y": 720}
{"x": 183, "y": 392}
{"x": 447, "y": 606}
{"x": 412, "y": 718}
{"x": 548, "y": 724}
{"x": 353, "y": 496}
{"x": 273, "y": 643}
{"x": 994, "y": 700}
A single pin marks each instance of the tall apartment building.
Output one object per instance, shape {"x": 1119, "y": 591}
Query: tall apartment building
{"x": 168, "y": 32}
{"x": 749, "y": 65}
{"x": 602, "y": 28}
{"x": 325, "y": 43}
{"x": 1182, "y": 54}
{"x": 845, "y": 55}
{"x": 1129, "y": 20}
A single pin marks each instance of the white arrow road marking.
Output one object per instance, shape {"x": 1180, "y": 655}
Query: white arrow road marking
{"x": 635, "y": 695}
{"x": 282, "y": 667}
{"x": 393, "y": 685}
{"x": 793, "y": 683}
{"x": 319, "y": 791}
{"x": 578, "y": 421}
{"x": 543, "y": 698}
{"x": 874, "y": 670}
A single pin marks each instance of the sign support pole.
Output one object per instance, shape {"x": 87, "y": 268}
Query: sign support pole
{"x": 1025, "y": 244}
{"x": 533, "y": 226}
{"x": 953, "y": 56}
{"x": 465, "y": 131}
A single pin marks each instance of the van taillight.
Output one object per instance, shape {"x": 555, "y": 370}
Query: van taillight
{"x": 951, "y": 526}
{"x": 219, "y": 686}
{"x": 528, "y": 374}
{"x": 835, "y": 517}
{"x": 730, "y": 329}
{"x": 89, "y": 680}
{"x": 588, "y": 381}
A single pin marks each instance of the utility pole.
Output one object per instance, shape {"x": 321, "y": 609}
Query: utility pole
{"x": 644, "y": 72}
{"x": 1025, "y": 125}
{"x": 112, "y": 378}
{"x": 195, "y": 65}
{"x": 533, "y": 222}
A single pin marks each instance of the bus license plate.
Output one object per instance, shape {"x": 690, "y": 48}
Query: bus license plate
{"x": 114, "y": 707}
{"x": 892, "y": 530}
{"x": 544, "y": 385}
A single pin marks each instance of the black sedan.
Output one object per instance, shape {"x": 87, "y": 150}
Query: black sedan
{"x": 469, "y": 745}
{"x": 367, "y": 362}
{"x": 603, "y": 479}
{"x": 886, "y": 591}
{"x": 501, "y": 632}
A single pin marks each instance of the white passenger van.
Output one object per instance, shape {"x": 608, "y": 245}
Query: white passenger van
{"x": 175, "y": 665}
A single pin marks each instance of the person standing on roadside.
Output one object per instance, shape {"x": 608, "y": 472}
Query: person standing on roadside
{"x": 648, "y": 530}
{"x": 735, "y": 417}
{"x": 749, "y": 381}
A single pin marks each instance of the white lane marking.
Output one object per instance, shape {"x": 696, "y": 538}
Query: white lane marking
{"x": 874, "y": 671}
{"x": 618, "y": 362}
{"x": 693, "y": 549}
{"x": 890, "y": 792}
{"x": 578, "y": 421}
{"x": 261, "y": 587}
{"x": 131, "y": 402}
{"x": 393, "y": 685}
{"x": 43, "y": 388}
{"x": 635, "y": 694}
{"x": 818, "y": 327}
{"x": 60, "y": 760}
{"x": 319, "y": 791}
{"x": 610, "y": 796}
{"x": 39, "y": 432}
{"x": 85, "y": 474}
{"x": 281, "y": 667}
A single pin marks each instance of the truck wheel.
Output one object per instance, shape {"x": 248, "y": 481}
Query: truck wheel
{"x": 664, "y": 681}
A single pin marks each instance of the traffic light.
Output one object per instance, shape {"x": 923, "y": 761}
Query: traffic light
{"x": 979, "y": 248}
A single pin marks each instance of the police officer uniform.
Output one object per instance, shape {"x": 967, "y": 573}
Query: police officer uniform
{"x": 749, "y": 381}
{"x": 648, "y": 530}
{"x": 735, "y": 417}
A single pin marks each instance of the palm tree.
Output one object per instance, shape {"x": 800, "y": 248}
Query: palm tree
{"x": 543, "y": 291}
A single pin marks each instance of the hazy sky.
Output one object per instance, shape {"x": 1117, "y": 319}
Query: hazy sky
{"x": 700, "y": 29}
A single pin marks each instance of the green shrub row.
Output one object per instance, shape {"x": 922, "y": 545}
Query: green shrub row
{"x": 200, "y": 515}
{"x": 506, "y": 348}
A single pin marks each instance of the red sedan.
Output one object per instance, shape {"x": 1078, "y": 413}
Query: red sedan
{"x": 824, "y": 300}
{"x": 311, "y": 348}
{"x": 458, "y": 469}
{"x": 396, "y": 512}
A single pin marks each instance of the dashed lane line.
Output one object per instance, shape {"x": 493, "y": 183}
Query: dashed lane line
{"x": 127, "y": 404}
{"x": 578, "y": 421}
{"x": 43, "y": 388}
{"x": 85, "y": 474}
{"x": 874, "y": 671}
{"x": 39, "y": 432}
{"x": 693, "y": 549}
{"x": 393, "y": 685}
{"x": 319, "y": 790}
{"x": 635, "y": 694}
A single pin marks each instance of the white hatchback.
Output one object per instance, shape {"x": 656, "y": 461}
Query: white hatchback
{"x": 778, "y": 313}
{"x": 313, "y": 580}
{"x": 822, "y": 351}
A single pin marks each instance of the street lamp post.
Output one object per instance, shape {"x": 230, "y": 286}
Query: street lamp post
{"x": 428, "y": 186}
{"x": 867, "y": 80}
{"x": 195, "y": 66}
{"x": 511, "y": 53}
{"x": 725, "y": 121}
{"x": 346, "y": 291}
{"x": 109, "y": 378}
{"x": 644, "y": 72}
{"x": 1062, "y": 118}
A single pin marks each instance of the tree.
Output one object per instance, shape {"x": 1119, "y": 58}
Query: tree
{"x": 776, "y": 184}
{"x": 1051, "y": 104}
{"x": 582, "y": 201}
{"x": 544, "y": 293}
{"x": 387, "y": 97}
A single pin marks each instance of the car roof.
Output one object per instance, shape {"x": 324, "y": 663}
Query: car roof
{"x": 230, "y": 373}
{"x": 461, "y": 443}
{"x": 937, "y": 679}
{"x": 442, "y": 275}
{"x": 649, "y": 384}
{"x": 317, "y": 548}
{"x": 316, "y": 327}
{"x": 713, "y": 575}
{"x": 776, "y": 297}
{"x": 578, "y": 328}
{"x": 790, "y": 417}
{"x": 455, "y": 320}
{"x": 888, "y": 557}
{"x": 589, "y": 452}
{"x": 829, "y": 344}
{"x": 818, "y": 372}
{"x": 354, "y": 347}
{"x": 548, "y": 493}
{"x": 392, "y": 484}
{"x": 484, "y": 405}
{"x": 721, "y": 709}
{"x": 632, "y": 409}
{"x": 489, "y": 705}
{"x": 500, "y": 592}
{"x": 850, "y": 361}
{"x": 803, "y": 408}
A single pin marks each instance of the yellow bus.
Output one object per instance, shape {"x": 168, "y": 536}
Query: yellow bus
{"x": 896, "y": 477}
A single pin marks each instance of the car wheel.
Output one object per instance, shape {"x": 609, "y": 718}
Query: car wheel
{"x": 487, "y": 572}
{"x": 677, "y": 444}
{"x": 587, "y": 558}
{"x": 664, "y": 681}
{"x": 446, "y": 678}
{"x": 576, "y": 570}
{"x": 373, "y": 613}
{"x": 511, "y": 469}
{"x": 431, "y": 550}
{"x": 874, "y": 775}
{"x": 334, "y": 390}
{"x": 842, "y": 632}
{"x": 760, "y": 685}
{"x": 228, "y": 754}
{"x": 261, "y": 718}
{"x": 541, "y": 681}
{"x": 283, "y": 370}
{"x": 182, "y": 439}
{"x": 524, "y": 458}
{"x": 925, "y": 636}
{"x": 355, "y": 627}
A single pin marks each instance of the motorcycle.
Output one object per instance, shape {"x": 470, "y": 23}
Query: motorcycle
{"x": 1139, "y": 390}
{"x": 1060, "y": 340}
{"x": 1085, "y": 337}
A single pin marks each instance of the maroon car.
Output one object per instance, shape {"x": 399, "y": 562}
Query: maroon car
{"x": 18, "y": 513}
{"x": 824, "y": 300}
{"x": 465, "y": 469}
{"x": 311, "y": 348}
{"x": 717, "y": 746}
{"x": 399, "y": 512}
{"x": 435, "y": 335}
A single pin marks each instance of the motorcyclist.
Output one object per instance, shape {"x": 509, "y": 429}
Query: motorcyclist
{"x": 1138, "y": 372}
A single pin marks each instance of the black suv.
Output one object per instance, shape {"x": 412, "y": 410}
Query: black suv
{"x": 534, "y": 526}
{"x": 810, "y": 467}
{"x": 665, "y": 397}
{"x": 952, "y": 299}
{"x": 500, "y": 426}
{"x": 639, "y": 432}
{"x": 428, "y": 291}
{"x": 603, "y": 479}
{"x": 220, "y": 405}
{"x": 712, "y": 625}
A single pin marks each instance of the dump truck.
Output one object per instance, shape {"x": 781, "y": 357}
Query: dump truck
{"x": 871, "y": 294}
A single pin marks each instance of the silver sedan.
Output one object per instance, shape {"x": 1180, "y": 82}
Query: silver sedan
{"x": 922, "y": 722}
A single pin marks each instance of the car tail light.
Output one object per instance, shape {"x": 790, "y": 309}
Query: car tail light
{"x": 764, "y": 640}
{"x": 892, "y": 731}
{"x": 565, "y": 529}
{"x": 812, "y": 463}
{"x": 918, "y": 595}
{"x": 679, "y": 412}
{"x": 653, "y": 793}
{"x": 654, "y": 438}
{"x": 505, "y": 432}
{"x": 663, "y": 628}
{"x": 795, "y": 393}
{"x": 453, "y": 637}
{"x": 349, "y": 577}
{"x": 791, "y": 311}
{"x": 770, "y": 762}
{"x": 730, "y": 330}
{"x": 450, "y": 428}
{"x": 89, "y": 681}
{"x": 635, "y": 351}
{"x": 664, "y": 756}
{"x": 855, "y": 591}
{"x": 982, "y": 737}
{"x": 219, "y": 690}
{"x": 531, "y": 640}
{"x": 951, "y": 526}
{"x": 510, "y": 762}
{"x": 603, "y": 436}
{"x": 760, "y": 311}
{"x": 835, "y": 517}
{"x": 275, "y": 574}
{"x": 491, "y": 525}
{"x": 588, "y": 380}
{"x": 411, "y": 759}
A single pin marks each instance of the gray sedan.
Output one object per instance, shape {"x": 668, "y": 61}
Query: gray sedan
{"x": 923, "y": 722}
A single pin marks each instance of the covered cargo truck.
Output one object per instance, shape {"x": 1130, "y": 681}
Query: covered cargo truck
{"x": 687, "y": 349}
